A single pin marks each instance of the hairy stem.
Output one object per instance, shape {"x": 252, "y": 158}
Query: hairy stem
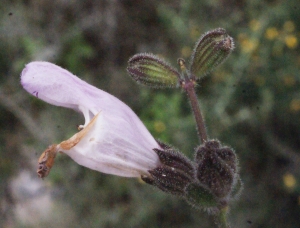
{"x": 189, "y": 87}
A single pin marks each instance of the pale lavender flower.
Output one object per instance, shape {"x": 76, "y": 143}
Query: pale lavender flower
{"x": 113, "y": 139}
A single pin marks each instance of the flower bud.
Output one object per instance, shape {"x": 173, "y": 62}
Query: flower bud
{"x": 168, "y": 179}
{"x": 152, "y": 71}
{"x": 175, "y": 173}
{"x": 210, "y": 51}
{"x": 216, "y": 168}
{"x": 177, "y": 160}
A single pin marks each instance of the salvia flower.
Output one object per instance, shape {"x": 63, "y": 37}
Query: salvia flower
{"x": 113, "y": 139}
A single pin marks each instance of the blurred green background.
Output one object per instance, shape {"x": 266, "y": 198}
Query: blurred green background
{"x": 251, "y": 102}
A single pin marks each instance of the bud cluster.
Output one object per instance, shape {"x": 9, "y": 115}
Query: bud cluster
{"x": 208, "y": 182}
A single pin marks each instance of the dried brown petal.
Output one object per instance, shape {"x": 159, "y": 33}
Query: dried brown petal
{"x": 46, "y": 161}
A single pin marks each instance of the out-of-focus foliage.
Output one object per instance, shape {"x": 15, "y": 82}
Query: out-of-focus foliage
{"x": 251, "y": 102}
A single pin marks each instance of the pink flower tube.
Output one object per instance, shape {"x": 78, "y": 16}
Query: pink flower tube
{"x": 113, "y": 139}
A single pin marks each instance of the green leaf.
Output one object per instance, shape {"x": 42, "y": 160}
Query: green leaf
{"x": 210, "y": 51}
{"x": 152, "y": 71}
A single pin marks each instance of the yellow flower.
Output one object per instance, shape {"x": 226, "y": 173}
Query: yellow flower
{"x": 289, "y": 181}
{"x": 271, "y": 33}
{"x": 291, "y": 41}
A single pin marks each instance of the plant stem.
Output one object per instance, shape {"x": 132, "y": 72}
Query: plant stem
{"x": 187, "y": 82}
{"x": 221, "y": 219}
{"x": 189, "y": 87}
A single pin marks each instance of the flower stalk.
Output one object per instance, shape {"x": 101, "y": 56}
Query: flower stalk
{"x": 189, "y": 87}
{"x": 188, "y": 84}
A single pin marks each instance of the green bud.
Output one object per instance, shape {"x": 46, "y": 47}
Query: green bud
{"x": 210, "y": 51}
{"x": 199, "y": 197}
{"x": 152, "y": 71}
